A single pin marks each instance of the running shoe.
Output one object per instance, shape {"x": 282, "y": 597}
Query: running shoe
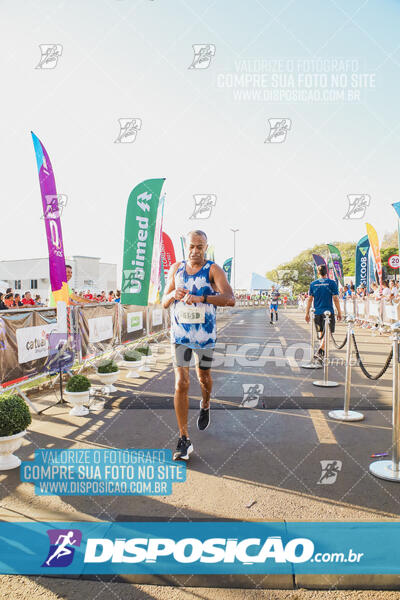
{"x": 203, "y": 420}
{"x": 319, "y": 355}
{"x": 183, "y": 449}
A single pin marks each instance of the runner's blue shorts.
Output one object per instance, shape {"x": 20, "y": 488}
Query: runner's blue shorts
{"x": 273, "y": 307}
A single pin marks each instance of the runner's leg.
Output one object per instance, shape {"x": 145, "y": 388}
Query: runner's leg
{"x": 205, "y": 380}
{"x": 181, "y": 398}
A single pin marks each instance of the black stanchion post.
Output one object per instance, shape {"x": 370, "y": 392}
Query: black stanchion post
{"x": 325, "y": 382}
{"x": 346, "y": 414}
{"x": 390, "y": 469}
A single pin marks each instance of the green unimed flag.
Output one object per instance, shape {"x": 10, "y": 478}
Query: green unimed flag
{"x": 140, "y": 225}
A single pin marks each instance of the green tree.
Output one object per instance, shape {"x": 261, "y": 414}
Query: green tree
{"x": 299, "y": 272}
{"x": 385, "y": 253}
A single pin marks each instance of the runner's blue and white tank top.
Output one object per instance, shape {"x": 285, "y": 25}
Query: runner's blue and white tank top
{"x": 195, "y": 335}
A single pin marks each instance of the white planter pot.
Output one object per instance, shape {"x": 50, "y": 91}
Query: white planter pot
{"x": 107, "y": 379}
{"x": 148, "y": 362}
{"x": 8, "y": 445}
{"x": 78, "y": 399}
{"x": 132, "y": 366}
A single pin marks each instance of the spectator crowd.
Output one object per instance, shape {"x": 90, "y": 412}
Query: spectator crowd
{"x": 13, "y": 300}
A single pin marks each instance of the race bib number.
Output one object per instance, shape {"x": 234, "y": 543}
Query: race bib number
{"x": 193, "y": 313}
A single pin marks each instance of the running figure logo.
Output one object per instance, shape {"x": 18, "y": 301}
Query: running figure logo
{"x": 330, "y": 471}
{"x": 251, "y": 394}
{"x": 203, "y": 205}
{"x": 128, "y": 129}
{"x": 278, "y": 129}
{"x": 61, "y": 551}
{"x": 54, "y": 205}
{"x": 203, "y": 54}
{"x": 50, "y": 53}
{"x": 358, "y": 204}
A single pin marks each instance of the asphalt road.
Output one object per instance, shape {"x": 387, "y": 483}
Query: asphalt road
{"x": 260, "y": 459}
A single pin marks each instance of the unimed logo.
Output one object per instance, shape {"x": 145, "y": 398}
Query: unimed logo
{"x": 189, "y": 550}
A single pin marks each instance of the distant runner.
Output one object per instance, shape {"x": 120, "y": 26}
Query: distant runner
{"x": 194, "y": 290}
{"x": 275, "y": 295}
{"x": 324, "y": 292}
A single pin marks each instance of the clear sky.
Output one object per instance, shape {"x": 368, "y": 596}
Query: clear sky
{"x": 202, "y": 129}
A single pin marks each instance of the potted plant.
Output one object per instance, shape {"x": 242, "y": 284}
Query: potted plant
{"x": 145, "y": 351}
{"x": 14, "y": 419}
{"x": 77, "y": 392}
{"x": 132, "y": 361}
{"x": 108, "y": 373}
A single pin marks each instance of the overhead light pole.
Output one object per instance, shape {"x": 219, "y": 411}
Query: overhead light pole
{"x": 234, "y": 258}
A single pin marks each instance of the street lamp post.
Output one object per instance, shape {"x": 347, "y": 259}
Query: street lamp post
{"x": 234, "y": 258}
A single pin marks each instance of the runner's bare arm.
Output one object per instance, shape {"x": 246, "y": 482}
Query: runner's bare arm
{"x": 308, "y": 307}
{"x": 337, "y": 305}
{"x": 170, "y": 293}
{"x": 224, "y": 297}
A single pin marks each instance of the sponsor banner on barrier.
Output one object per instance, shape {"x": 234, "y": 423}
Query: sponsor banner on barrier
{"x": 134, "y": 321}
{"x": 374, "y": 309}
{"x": 157, "y": 317}
{"x": 100, "y": 328}
{"x": 11, "y": 370}
{"x": 130, "y": 330}
{"x": 199, "y": 547}
{"x": 32, "y": 342}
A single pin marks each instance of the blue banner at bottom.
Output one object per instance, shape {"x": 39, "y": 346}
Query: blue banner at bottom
{"x": 199, "y": 548}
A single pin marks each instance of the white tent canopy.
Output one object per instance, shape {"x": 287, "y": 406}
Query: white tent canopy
{"x": 3, "y": 286}
{"x": 258, "y": 282}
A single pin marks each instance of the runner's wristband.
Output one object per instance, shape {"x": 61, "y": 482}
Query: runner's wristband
{"x": 205, "y": 299}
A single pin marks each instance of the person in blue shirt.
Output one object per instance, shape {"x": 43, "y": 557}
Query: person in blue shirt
{"x": 324, "y": 292}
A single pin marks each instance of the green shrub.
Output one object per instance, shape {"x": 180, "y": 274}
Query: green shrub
{"x": 107, "y": 366}
{"x": 78, "y": 383}
{"x": 144, "y": 350}
{"x": 132, "y": 355}
{"x": 14, "y": 415}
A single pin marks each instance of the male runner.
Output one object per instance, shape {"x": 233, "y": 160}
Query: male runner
{"x": 274, "y": 304}
{"x": 194, "y": 290}
{"x": 323, "y": 291}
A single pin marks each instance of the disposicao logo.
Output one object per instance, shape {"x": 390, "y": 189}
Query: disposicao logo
{"x": 189, "y": 550}
{"x": 61, "y": 551}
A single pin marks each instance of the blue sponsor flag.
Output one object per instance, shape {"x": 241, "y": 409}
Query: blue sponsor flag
{"x": 362, "y": 262}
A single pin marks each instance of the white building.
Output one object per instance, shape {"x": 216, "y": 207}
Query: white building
{"x": 32, "y": 275}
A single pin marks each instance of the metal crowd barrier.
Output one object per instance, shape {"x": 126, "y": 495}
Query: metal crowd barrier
{"x": 100, "y": 329}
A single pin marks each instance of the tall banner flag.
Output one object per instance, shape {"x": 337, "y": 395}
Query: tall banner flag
{"x": 227, "y": 267}
{"x": 331, "y": 269}
{"x": 182, "y": 246}
{"x": 371, "y": 269}
{"x": 317, "y": 261}
{"x": 362, "y": 252}
{"x": 51, "y": 213}
{"x": 155, "y": 274}
{"x": 337, "y": 263}
{"x": 140, "y": 227}
{"x": 396, "y": 206}
{"x": 167, "y": 253}
{"x": 373, "y": 240}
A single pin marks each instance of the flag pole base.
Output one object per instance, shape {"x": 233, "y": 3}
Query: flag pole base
{"x": 384, "y": 470}
{"x": 322, "y": 383}
{"x": 341, "y": 415}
